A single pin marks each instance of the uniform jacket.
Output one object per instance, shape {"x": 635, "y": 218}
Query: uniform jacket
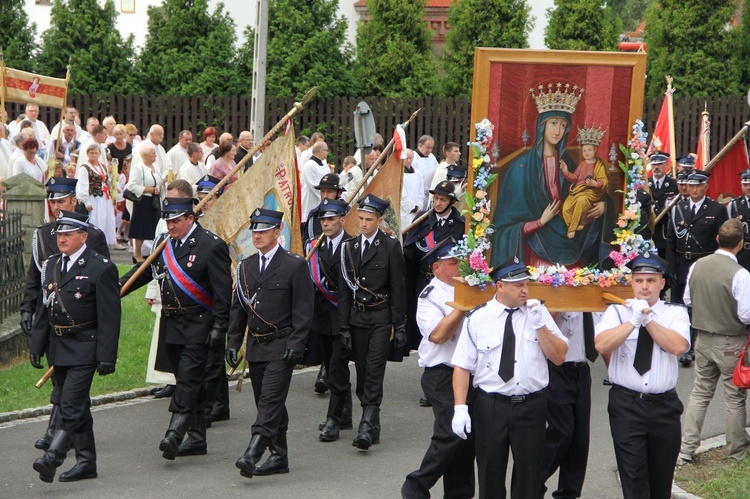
{"x": 90, "y": 294}
{"x": 660, "y": 198}
{"x": 382, "y": 272}
{"x": 283, "y": 296}
{"x": 44, "y": 245}
{"x": 326, "y": 317}
{"x": 205, "y": 259}
{"x": 415, "y": 244}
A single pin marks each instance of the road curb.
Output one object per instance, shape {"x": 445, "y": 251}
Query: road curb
{"x": 706, "y": 445}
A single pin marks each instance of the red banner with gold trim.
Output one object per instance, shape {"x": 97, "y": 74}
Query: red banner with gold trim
{"x": 21, "y": 86}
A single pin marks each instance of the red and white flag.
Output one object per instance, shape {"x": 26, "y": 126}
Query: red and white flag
{"x": 660, "y": 140}
{"x": 20, "y": 86}
{"x": 725, "y": 173}
{"x": 703, "y": 143}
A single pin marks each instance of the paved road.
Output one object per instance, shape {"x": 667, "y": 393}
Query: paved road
{"x": 130, "y": 464}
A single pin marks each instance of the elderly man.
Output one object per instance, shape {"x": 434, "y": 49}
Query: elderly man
{"x": 307, "y": 153}
{"x": 425, "y": 163}
{"x": 193, "y": 169}
{"x": 67, "y": 144}
{"x": 86, "y": 135}
{"x": 155, "y": 137}
{"x": 312, "y": 172}
{"x": 412, "y": 193}
{"x": 40, "y": 129}
{"x": 69, "y": 118}
{"x": 244, "y": 144}
{"x": 178, "y": 154}
{"x": 303, "y": 144}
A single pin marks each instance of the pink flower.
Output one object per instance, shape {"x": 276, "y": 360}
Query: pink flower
{"x": 545, "y": 279}
{"x": 478, "y": 216}
{"x": 477, "y": 262}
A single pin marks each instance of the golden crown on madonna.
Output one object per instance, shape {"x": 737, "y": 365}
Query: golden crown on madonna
{"x": 590, "y": 135}
{"x": 557, "y": 98}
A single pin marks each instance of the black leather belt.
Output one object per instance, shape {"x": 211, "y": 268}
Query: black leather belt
{"x": 691, "y": 255}
{"x": 514, "y": 399}
{"x": 280, "y": 333}
{"x": 649, "y": 397}
{"x": 77, "y": 328}
{"x": 445, "y": 367}
{"x": 362, "y": 307}
{"x": 175, "y": 311}
{"x": 575, "y": 364}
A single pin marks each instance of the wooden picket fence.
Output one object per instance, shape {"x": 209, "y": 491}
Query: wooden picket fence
{"x": 446, "y": 119}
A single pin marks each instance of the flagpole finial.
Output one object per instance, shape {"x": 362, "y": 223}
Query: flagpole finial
{"x": 669, "y": 82}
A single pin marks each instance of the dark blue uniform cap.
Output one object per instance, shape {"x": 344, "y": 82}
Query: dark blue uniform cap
{"x": 61, "y": 187}
{"x": 698, "y": 177}
{"x": 332, "y": 208}
{"x": 172, "y": 208}
{"x": 456, "y": 172}
{"x": 648, "y": 263}
{"x": 511, "y": 270}
{"x": 745, "y": 174}
{"x": 441, "y": 251}
{"x": 658, "y": 158}
{"x": 373, "y": 204}
{"x": 69, "y": 221}
{"x": 207, "y": 183}
{"x": 687, "y": 162}
{"x": 682, "y": 178}
{"x": 263, "y": 219}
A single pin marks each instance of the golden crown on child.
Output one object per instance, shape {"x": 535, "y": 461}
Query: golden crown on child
{"x": 590, "y": 135}
{"x": 557, "y": 99}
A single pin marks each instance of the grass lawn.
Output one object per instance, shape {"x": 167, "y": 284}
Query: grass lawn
{"x": 17, "y": 378}
{"x": 714, "y": 476}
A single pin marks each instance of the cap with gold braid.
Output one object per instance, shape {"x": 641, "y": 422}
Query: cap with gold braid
{"x": 559, "y": 99}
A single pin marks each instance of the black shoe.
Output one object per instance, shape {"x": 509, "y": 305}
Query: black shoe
{"x": 170, "y": 444}
{"x": 246, "y": 464}
{"x": 54, "y": 457}
{"x": 278, "y": 461}
{"x": 606, "y": 382}
{"x": 165, "y": 392}
{"x": 332, "y": 426}
{"x": 54, "y": 423}
{"x": 369, "y": 428}
{"x": 85, "y": 467}
{"x": 686, "y": 360}
{"x": 320, "y": 382}
{"x": 220, "y": 417}
{"x": 424, "y": 401}
{"x": 195, "y": 443}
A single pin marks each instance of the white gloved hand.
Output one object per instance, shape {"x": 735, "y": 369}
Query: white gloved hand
{"x": 639, "y": 318}
{"x": 536, "y": 313}
{"x": 461, "y": 423}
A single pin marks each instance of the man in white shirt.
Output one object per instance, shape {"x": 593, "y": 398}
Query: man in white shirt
{"x": 312, "y": 172}
{"x": 85, "y": 135}
{"x": 155, "y": 137}
{"x": 98, "y": 136}
{"x": 451, "y": 156}
{"x": 40, "y": 129}
{"x": 303, "y": 144}
{"x": 305, "y": 155}
{"x": 68, "y": 143}
{"x": 178, "y": 154}
{"x": 645, "y": 338}
{"x": 718, "y": 289}
{"x": 425, "y": 163}
{"x": 506, "y": 343}
{"x": 448, "y": 456}
{"x": 69, "y": 118}
{"x": 412, "y": 193}
{"x": 192, "y": 169}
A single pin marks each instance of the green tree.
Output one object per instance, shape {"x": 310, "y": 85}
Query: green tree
{"x": 189, "y": 51}
{"x": 307, "y": 47}
{"x": 629, "y": 12}
{"x": 17, "y": 38}
{"x": 85, "y": 33}
{"x": 742, "y": 42}
{"x": 503, "y": 23}
{"x": 580, "y": 25}
{"x": 689, "y": 40}
{"x": 394, "y": 54}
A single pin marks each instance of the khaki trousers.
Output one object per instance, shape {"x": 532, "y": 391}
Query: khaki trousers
{"x": 715, "y": 358}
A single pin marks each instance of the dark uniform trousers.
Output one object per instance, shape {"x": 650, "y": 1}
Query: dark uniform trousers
{"x": 270, "y": 381}
{"x": 190, "y": 391}
{"x": 502, "y": 425}
{"x": 370, "y": 347}
{"x": 338, "y": 379}
{"x": 73, "y": 384}
{"x": 646, "y": 435}
{"x": 566, "y": 443}
{"x": 448, "y": 455}
{"x": 217, "y": 383}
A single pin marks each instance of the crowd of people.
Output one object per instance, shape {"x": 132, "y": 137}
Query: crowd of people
{"x": 507, "y": 375}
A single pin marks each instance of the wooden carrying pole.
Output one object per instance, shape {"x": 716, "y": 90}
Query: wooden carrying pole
{"x": 354, "y": 197}
{"x": 620, "y": 301}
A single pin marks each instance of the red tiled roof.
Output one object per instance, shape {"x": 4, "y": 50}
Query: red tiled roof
{"x": 440, "y": 4}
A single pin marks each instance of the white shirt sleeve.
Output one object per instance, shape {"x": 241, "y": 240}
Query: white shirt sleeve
{"x": 741, "y": 293}
{"x": 465, "y": 355}
{"x": 686, "y": 295}
{"x": 82, "y": 187}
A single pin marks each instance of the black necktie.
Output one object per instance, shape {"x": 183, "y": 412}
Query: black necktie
{"x": 177, "y": 244}
{"x": 441, "y": 222}
{"x": 695, "y": 209}
{"x": 643, "y": 351}
{"x": 65, "y": 262}
{"x": 262, "y": 264}
{"x": 588, "y": 336}
{"x": 367, "y": 246}
{"x": 330, "y": 247}
{"x": 508, "y": 355}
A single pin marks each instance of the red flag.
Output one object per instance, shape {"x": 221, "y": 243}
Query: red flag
{"x": 725, "y": 173}
{"x": 703, "y": 143}
{"x": 660, "y": 138}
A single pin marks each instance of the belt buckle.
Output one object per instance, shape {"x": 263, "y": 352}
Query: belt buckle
{"x": 166, "y": 312}
{"x": 360, "y": 307}
{"x": 688, "y": 255}
{"x": 514, "y": 399}
{"x": 57, "y": 331}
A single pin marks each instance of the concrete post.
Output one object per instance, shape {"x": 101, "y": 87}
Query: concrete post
{"x": 26, "y": 196}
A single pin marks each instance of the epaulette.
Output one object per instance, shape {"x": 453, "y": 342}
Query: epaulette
{"x": 426, "y": 291}
{"x": 475, "y": 309}
{"x": 293, "y": 255}
{"x": 391, "y": 236}
{"x": 353, "y": 238}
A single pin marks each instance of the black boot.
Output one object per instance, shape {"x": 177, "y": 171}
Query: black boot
{"x": 175, "y": 433}
{"x": 54, "y": 423}
{"x": 330, "y": 432}
{"x": 254, "y": 452}
{"x": 220, "y": 410}
{"x": 278, "y": 461}
{"x": 346, "y": 415}
{"x": 320, "y": 382}
{"x": 54, "y": 457}
{"x": 366, "y": 435}
{"x": 85, "y": 466}
{"x": 195, "y": 443}
{"x": 165, "y": 392}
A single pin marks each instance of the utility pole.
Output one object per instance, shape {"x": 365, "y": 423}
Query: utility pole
{"x": 258, "y": 118}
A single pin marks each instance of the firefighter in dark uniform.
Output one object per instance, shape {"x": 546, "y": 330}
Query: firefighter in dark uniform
{"x": 325, "y": 270}
{"x": 194, "y": 274}
{"x": 691, "y": 235}
{"x": 217, "y": 382}
{"x": 739, "y": 208}
{"x": 273, "y": 302}
{"x": 61, "y": 195}
{"x": 444, "y": 221}
{"x": 663, "y": 189}
{"x": 682, "y": 189}
{"x": 78, "y": 327}
{"x": 371, "y": 304}
{"x": 329, "y": 189}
